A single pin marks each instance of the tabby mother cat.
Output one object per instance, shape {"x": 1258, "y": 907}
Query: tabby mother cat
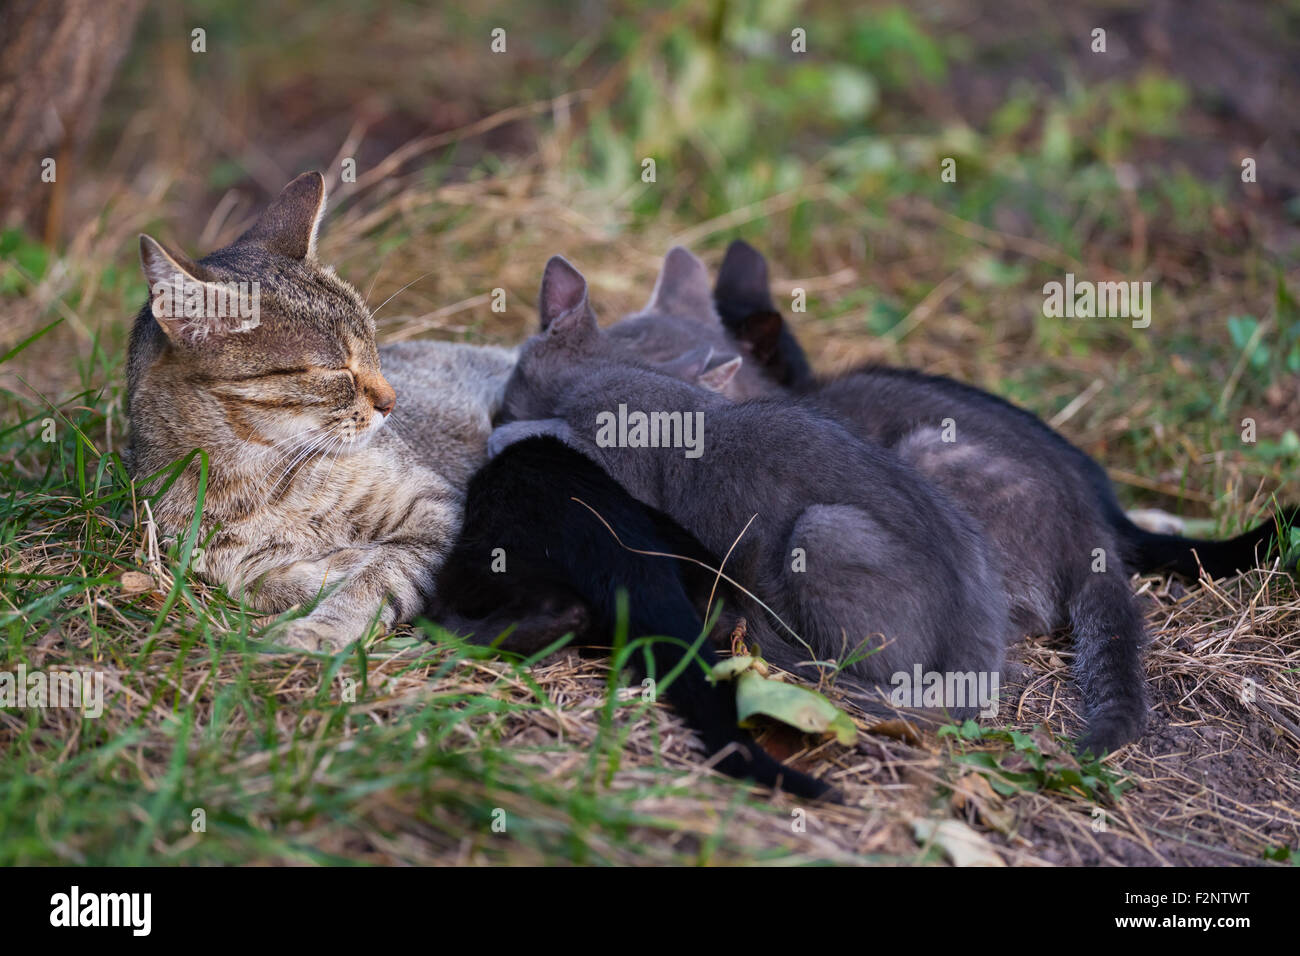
{"x": 309, "y": 486}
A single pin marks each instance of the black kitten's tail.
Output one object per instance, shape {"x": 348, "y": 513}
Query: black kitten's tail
{"x": 1147, "y": 551}
{"x": 708, "y": 709}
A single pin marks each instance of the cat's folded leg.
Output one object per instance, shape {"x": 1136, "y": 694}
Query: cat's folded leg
{"x": 385, "y": 584}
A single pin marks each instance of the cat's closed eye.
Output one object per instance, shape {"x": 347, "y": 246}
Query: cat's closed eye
{"x": 270, "y": 373}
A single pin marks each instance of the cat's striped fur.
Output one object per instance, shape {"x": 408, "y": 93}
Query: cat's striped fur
{"x": 317, "y": 483}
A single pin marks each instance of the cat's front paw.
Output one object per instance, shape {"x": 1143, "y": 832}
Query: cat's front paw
{"x": 305, "y": 634}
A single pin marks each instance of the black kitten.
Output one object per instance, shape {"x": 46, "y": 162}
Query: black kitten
{"x": 743, "y": 299}
{"x": 564, "y": 570}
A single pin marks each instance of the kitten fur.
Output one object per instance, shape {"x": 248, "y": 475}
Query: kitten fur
{"x": 892, "y": 566}
{"x": 1031, "y": 501}
{"x": 1044, "y": 504}
{"x": 744, "y": 303}
{"x": 535, "y": 507}
{"x": 317, "y": 484}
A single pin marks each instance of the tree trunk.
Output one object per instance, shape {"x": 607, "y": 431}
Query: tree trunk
{"x": 57, "y": 59}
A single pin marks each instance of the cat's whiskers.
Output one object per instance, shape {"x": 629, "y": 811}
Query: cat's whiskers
{"x": 326, "y": 448}
{"x": 304, "y": 451}
{"x": 275, "y": 444}
{"x": 373, "y": 280}
{"x": 311, "y": 447}
{"x": 375, "y": 313}
{"x": 243, "y": 445}
{"x": 334, "y": 457}
{"x": 296, "y": 446}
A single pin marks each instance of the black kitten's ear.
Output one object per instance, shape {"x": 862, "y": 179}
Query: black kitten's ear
{"x": 742, "y": 280}
{"x": 682, "y": 287}
{"x": 761, "y": 331}
{"x": 288, "y": 226}
{"x": 562, "y": 302}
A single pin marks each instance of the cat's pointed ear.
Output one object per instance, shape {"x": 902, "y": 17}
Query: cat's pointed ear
{"x": 742, "y": 281}
{"x": 682, "y": 287}
{"x": 162, "y": 266}
{"x": 289, "y": 225}
{"x": 760, "y": 331}
{"x": 688, "y": 366}
{"x": 562, "y": 302}
{"x": 719, "y": 377}
{"x": 173, "y": 281}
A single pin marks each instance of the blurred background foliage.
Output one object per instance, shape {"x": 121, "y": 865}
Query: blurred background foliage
{"x": 1116, "y": 165}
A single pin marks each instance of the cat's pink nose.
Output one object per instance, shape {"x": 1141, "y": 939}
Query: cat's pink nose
{"x": 381, "y": 395}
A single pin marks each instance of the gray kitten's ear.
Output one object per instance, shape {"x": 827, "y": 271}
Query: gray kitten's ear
{"x": 719, "y": 377}
{"x": 688, "y": 366}
{"x": 562, "y": 302}
{"x": 682, "y": 288}
{"x": 289, "y": 225}
{"x": 742, "y": 280}
{"x": 173, "y": 281}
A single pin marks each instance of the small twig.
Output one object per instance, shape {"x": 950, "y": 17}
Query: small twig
{"x": 682, "y": 557}
{"x": 1083, "y": 398}
{"x": 1240, "y": 367}
{"x": 1138, "y": 481}
{"x": 708, "y": 607}
{"x": 922, "y": 310}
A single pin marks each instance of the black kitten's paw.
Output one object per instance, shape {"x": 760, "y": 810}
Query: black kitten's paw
{"x": 756, "y": 764}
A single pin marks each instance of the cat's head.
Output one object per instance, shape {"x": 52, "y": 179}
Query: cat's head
{"x": 680, "y": 320}
{"x": 571, "y": 344}
{"x": 258, "y": 337}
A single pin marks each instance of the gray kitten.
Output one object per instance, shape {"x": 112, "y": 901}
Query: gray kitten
{"x": 1045, "y": 506}
{"x": 887, "y": 555}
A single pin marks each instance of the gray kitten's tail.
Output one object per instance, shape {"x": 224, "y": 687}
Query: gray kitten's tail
{"x": 1108, "y": 639}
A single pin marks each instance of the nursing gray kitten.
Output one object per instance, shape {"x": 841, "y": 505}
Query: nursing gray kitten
{"x": 888, "y": 558}
{"x": 328, "y": 477}
{"x": 1064, "y": 544}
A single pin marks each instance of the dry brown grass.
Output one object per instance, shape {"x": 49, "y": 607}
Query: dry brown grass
{"x": 1216, "y": 778}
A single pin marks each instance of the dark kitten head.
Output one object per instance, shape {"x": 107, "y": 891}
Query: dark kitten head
{"x": 680, "y": 321}
{"x": 569, "y": 340}
{"x": 571, "y": 344}
{"x": 258, "y": 340}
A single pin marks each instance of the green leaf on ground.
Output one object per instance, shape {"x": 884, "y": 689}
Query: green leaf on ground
{"x": 791, "y": 704}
